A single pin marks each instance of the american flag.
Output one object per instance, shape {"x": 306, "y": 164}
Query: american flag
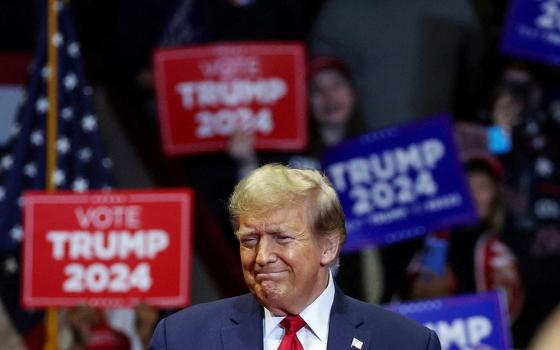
{"x": 81, "y": 161}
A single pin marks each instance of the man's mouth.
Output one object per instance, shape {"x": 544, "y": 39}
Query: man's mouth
{"x": 269, "y": 275}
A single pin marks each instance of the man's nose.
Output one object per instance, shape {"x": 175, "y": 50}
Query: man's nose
{"x": 265, "y": 251}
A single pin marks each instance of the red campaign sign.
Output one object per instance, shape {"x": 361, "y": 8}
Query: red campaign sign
{"x": 205, "y": 93}
{"x": 107, "y": 249}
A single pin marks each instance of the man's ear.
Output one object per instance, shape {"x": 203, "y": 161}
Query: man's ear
{"x": 330, "y": 249}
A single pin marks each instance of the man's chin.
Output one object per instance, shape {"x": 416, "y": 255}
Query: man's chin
{"x": 269, "y": 293}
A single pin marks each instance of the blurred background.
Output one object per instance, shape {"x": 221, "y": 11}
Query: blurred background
{"x": 401, "y": 60}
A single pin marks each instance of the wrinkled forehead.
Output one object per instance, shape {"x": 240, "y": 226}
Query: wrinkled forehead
{"x": 283, "y": 218}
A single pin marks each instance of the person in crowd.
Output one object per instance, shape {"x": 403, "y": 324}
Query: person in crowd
{"x": 89, "y": 330}
{"x": 290, "y": 227}
{"x": 532, "y": 193}
{"x": 475, "y": 258}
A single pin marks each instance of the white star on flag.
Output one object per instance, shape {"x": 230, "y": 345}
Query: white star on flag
{"x": 89, "y": 123}
{"x": 30, "y": 169}
{"x": 16, "y": 233}
{"x": 63, "y": 145}
{"x": 37, "y": 138}
{"x": 84, "y": 154}
{"x": 66, "y": 113}
{"x": 80, "y": 184}
{"x": 45, "y": 72}
{"x": 42, "y": 105}
{"x": 6, "y": 162}
{"x": 73, "y": 49}
{"x": 57, "y": 39}
{"x": 2, "y": 193}
{"x": 70, "y": 81}
{"x": 15, "y": 129}
{"x": 59, "y": 177}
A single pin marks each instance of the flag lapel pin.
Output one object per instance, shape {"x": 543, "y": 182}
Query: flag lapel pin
{"x": 356, "y": 343}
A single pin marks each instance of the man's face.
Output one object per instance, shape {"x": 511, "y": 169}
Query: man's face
{"x": 284, "y": 264}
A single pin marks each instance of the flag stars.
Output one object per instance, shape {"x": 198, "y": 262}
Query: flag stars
{"x": 42, "y": 104}
{"x": 6, "y": 162}
{"x": 36, "y": 138}
{"x": 16, "y": 233}
{"x": 45, "y": 72}
{"x": 59, "y": 177}
{"x": 30, "y": 169}
{"x": 89, "y": 123}
{"x": 57, "y": 39}
{"x": 66, "y": 113}
{"x": 84, "y": 154}
{"x": 63, "y": 145}
{"x": 20, "y": 201}
{"x": 70, "y": 81}
{"x": 16, "y": 128}
{"x": 73, "y": 49}
{"x": 2, "y": 193}
{"x": 80, "y": 184}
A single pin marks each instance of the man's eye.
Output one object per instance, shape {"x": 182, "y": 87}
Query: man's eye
{"x": 283, "y": 238}
{"x": 249, "y": 241}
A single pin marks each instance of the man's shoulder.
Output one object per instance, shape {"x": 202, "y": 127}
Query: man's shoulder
{"x": 211, "y": 311}
{"x": 390, "y": 327}
{"x": 201, "y": 325}
{"x": 372, "y": 312}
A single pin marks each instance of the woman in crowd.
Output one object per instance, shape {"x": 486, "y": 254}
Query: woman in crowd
{"x": 477, "y": 259}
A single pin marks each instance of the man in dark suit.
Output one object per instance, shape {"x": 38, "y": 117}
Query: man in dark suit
{"x": 290, "y": 226}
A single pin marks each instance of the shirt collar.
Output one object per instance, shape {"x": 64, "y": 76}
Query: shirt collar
{"x": 313, "y": 315}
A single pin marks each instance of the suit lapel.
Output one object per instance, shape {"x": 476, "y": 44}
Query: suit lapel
{"x": 245, "y": 330}
{"x": 345, "y": 326}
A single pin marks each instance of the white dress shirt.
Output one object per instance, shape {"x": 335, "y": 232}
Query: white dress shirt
{"x": 314, "y": 335}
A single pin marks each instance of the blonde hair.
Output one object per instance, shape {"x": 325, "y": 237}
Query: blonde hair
{"x": 276, "y": 186}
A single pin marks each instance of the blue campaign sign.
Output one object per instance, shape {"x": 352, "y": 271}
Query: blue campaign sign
{"x": 475, "y": 321}
{"x": 400, "y": 182}
{"x": 533, "y": 30}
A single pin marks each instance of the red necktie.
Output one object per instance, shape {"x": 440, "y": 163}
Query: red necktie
{"x": 291, "y": 324}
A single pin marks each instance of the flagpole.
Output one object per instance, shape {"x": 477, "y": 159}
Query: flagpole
{"x": 51, "y": 325}
{"x": 52, "y": 96}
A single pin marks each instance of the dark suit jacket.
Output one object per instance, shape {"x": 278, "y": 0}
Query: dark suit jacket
{"x": 237, "y": 324}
